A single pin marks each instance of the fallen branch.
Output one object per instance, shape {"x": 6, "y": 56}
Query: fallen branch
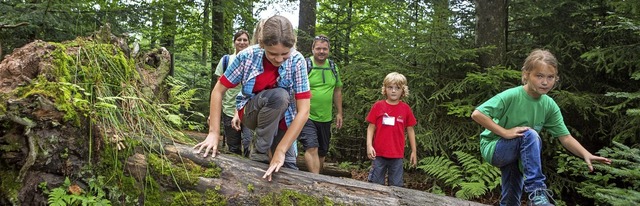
{"x": 241, "y": 181}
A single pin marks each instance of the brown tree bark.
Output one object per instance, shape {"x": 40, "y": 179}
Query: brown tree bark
{"x": 306, "y": 26}
{"x": 217, "y": 34}
{"x": 238, "y": 173}
{"x": 205, "y": 31}
{"x": 491, "y": 30}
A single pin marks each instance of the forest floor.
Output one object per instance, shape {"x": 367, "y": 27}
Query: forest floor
{"x": 413, "y": 179}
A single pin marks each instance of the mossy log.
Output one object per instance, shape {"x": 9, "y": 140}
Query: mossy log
{"x": 241, "y": 181}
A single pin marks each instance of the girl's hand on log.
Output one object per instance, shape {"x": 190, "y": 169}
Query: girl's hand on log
{"x": 211, "y": 143}
{"x": 276, "y": 162}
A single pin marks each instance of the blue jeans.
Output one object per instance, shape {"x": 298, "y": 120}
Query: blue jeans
{"x": 508, "y": 156}
{"x": 381, "y": 166}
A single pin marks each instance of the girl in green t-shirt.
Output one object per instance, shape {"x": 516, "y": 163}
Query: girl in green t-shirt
{"x": 513, "y": 120}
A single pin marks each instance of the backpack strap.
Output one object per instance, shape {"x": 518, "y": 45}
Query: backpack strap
{"x": 332, "y": 65}
{"x": 225, "y": 63}
{"x": 309, "y": 65}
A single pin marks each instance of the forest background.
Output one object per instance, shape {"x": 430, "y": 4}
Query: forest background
{"x": 455, "y": 53}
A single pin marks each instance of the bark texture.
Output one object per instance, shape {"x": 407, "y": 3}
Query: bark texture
{"x": 491, "y": 30}
{"x": 306, "y": 26}
{"x": 238, "y": 173}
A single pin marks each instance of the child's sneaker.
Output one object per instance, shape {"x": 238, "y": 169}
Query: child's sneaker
{"x": 540, "y": 197}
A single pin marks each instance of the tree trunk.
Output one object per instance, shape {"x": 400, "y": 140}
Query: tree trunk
{"x": 306, "y": 26}
{"x": 217, "y": 33}
{"x": 348, "y": 33}
{"x": 169, "y": 29}
{"x": 239, "y": 174}
{"x": 205, "y": 32}
{"x": 491, "y": 30}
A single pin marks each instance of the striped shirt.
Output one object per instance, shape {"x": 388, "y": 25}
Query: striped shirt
{"x": 248, "y": 65}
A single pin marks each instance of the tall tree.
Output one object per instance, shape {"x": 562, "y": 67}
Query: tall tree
{"x": 169, "y": 27}
{"x": 306, "y": 25}
{"x": 217, "y": 34}
{"x": 491, "y": 30}
{"x": 347, "y": 40}
{"x": 205, "y": 31}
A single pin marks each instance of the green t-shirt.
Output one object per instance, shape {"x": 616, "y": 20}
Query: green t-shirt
{"x": 322, "y": 92}
{"x": 229, "y": 99}
{"x": 514, "y": 108}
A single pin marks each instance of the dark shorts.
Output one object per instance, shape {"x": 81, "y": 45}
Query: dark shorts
{"x": 307, "y": 141}
{"x": 320, "y": 131}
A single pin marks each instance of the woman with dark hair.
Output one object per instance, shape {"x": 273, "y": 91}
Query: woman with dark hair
{"x": 238, "y": 140}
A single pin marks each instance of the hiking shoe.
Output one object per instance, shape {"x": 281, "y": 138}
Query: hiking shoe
{"x": 540, "y": 197}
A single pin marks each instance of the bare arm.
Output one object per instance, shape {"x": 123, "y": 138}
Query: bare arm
{"x": 577, "y": 149}
{"x": 211, "y": 142}
{"x": 371, "y": 153}
{"x": 488, "y": 123}
{"x": 412, "y": 144}
{"x": 302, "y": 108}
{"x": 337, "y": 100}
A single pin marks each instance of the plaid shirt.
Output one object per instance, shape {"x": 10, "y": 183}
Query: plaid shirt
{"x": 248, "y": 65}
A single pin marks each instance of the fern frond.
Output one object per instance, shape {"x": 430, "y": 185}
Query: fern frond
{"x": 442, "y": 168}
{"x": 470, "y": 190}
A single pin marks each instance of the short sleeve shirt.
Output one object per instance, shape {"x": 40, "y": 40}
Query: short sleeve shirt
{"x": 322, "y": 82}
{"x": 515, "y": 108}
{"x": 248, "y": 65}
{"x": 389, "y": 137}
{"x": 229, "y": 98}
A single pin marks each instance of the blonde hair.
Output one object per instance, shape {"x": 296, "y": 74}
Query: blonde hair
{"x": 535, "y": 58}
{"x": 397, "y": 79}
{"x": 257, "y": 32}
{"x": 277, "y": 30}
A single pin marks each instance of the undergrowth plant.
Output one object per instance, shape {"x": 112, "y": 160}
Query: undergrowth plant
{"x": 101, "y": 83}
{"x": 615, "y": 184}
{"x": 72, "y": 194}
{"x": 469, "y": 177}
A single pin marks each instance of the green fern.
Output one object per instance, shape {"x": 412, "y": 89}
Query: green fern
{"x": 60, "y": 196}
{"x": 615, "y": 184}
{"x": 471, "y": 179}
{"x": 441, "y": 168}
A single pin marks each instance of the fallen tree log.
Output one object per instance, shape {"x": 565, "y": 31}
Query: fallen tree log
{"x": 242, "y": 183}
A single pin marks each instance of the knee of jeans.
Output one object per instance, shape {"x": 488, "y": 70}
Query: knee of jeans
{"x": 530, "y": 133}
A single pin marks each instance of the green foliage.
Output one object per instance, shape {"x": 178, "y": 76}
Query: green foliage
{"x": 615, "y": 184}
{"x": 209, "y": 197}
{"x": 468, "y": 176}
{"x": 290, "y": 197}
{"x": 181, "y": 99}
{"x": 72, "y": 194}
{"x": 68, "y": 98}
{"x": 184, "y": 173}
{"x": 431, "y": 42}
{"x": 9, "y": 186}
